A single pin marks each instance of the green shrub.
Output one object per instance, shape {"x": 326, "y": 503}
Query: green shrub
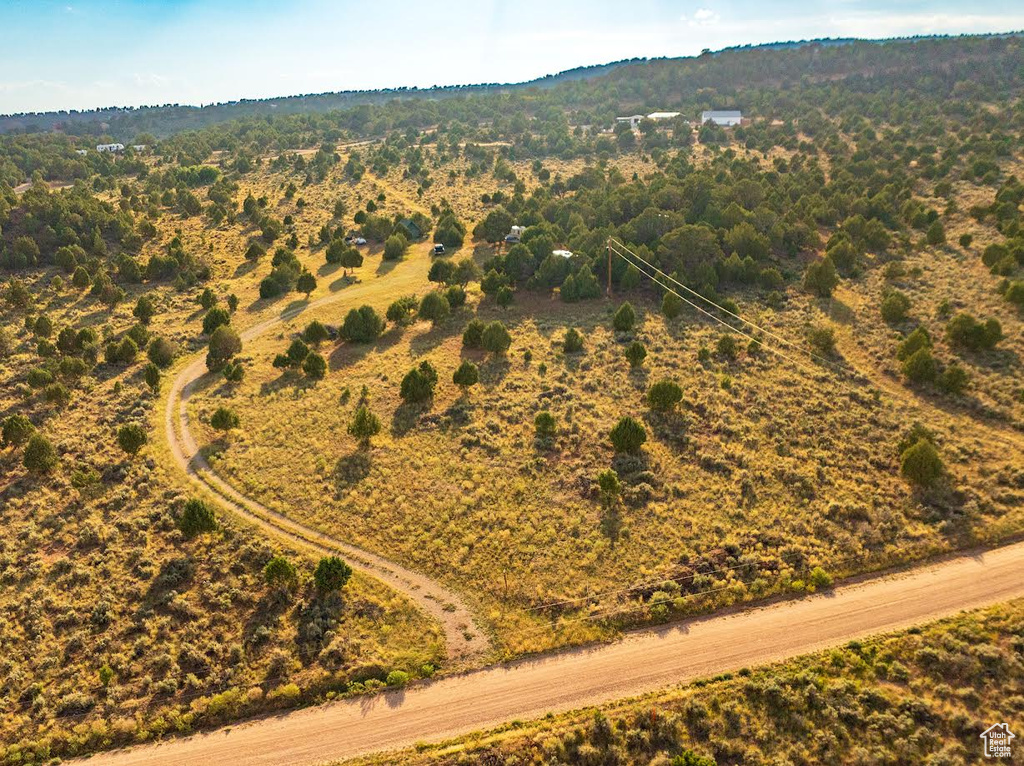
{"x": 954, "y": 380}
{"x": 573, "y": 343}
{"x": 331, "y": 574}
{"x": 628, "y": 436}
{"x": 362, "y": 325}
{"x": 635, "y": 354}
{"x": 314, "y": 366}
{"x": 921, "y": 465}
{"x": 402, "y": 311}
{"x": 364, "y": 425}
{"x": 920, "y": 367}
{"x": 727, "y": 347}
{"x": 467, "y": 374}
{"x": 964, "y": 331}
{"x": 819, "y": 578}
{"x": 472, "y": 337}
{"x": 16, "y": 430}
{"x": 418, "y": 384}
{"x": 215, "y": 317}
{"x": 39, "y": 377}
{"x": 161, "y": 352}
{"x": 315, "y": 333}
{"x": 625, "y": 318}
{"x": 131, "y": 437}
{"x": 822, "y": 338}
{"x": 224, "y": 419}
{"x": 397, "y": 678}
{"x": 395, "y": 247}
{"x": 820, "y": 278}
{"x": 664, "y": 395}
{"x": 495, "y": 338}
{"x": 545, "y": 425}
{"x": 435, "y": 307}
{"x": 280, "y": 573}
{"x": 40, "y": 456}
{"x": 913, "y": 343}
{"x": 225, "y": 343}
{"x": 672, "y": 305}
{"x": 196, "y": 518}
{"x": 895, "y": 306}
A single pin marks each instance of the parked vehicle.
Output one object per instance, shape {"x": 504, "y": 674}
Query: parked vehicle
{"x": 438, "y": 248}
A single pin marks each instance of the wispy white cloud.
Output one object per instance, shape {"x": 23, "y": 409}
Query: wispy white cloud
{"x": 702, "y": 17}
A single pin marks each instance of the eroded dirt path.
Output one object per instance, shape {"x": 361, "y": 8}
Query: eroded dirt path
{"x": 465, "y": 640}
{"x": 643, "y": 661}
{"x": 950, "y": 415}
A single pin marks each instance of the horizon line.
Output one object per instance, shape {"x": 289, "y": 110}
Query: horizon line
{"x": 512, "y": 84}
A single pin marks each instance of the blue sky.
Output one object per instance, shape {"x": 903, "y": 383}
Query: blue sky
{"x": 80, "y": 54}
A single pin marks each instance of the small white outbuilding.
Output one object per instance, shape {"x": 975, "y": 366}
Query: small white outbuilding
{"x": 725, "y": 118}
{"x": 633, "y": 120}
{"x": 110, "y": 147}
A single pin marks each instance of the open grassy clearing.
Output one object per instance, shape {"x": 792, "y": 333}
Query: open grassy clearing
{"x": 464, "y": 491}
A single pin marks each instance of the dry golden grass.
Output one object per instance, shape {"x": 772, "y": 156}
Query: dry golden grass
{"x": 781, "y": 461}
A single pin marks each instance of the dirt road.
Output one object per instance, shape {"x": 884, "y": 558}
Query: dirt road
{"x": 464, "y": 640}
{"x": 642, "y": 661}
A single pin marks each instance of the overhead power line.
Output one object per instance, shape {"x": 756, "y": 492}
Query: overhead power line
{"x": 621, "y": 251}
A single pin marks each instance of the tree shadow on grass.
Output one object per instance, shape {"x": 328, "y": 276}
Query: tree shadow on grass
{"x": 458, "y": 415}
{"x": 244, "y": 268}
{"x": 385, "y": 266}
{"x": 288, "y": 377}
{"x": 345, "y": 280}
{"x": 261, "y": 303}
{"x": 351, "y": 469}
{"x": 345, "y": 354}
{"x": 269, "y": 609}
{"x": 494, "y": 369}
{"x": 326, "y": 269}
{"x": 435, "y": 336}
{"x": 840, "y": 312}
{"x": 406, "y": 417}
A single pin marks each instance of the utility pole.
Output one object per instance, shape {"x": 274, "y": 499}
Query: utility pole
{"x": 609, "y": 267}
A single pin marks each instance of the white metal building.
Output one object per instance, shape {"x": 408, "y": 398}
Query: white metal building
{"x": 110, "y": 147}
{"x": 658, "y": 116}
{"x": 633, "y": 120}
{"x": 723, "y": 118}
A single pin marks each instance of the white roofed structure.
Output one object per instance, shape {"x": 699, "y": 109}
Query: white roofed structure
{"x": 726, "y": 118}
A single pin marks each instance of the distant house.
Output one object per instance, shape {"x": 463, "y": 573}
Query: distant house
{"x": 110, "y": 147}
{"x": 412, "y": 231}
{"x": 633, "y": 120}
{"x": 139, "y": 147}
{"x": 515, "y": 234}
{"x": 82, "y": 152}
{"x": 724, "y": 118}
{"x": 661, "y": 116}
{"x": 562, "y": 253}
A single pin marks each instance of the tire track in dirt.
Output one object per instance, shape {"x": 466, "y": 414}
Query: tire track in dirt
{"x": 465, "y": 640}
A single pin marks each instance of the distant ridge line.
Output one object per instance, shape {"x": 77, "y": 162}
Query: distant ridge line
{"x": 53, "y": 121}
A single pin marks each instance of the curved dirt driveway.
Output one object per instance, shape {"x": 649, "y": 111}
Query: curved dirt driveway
{"x": 641, "y": 662}
{"x": 464, "y": 639}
